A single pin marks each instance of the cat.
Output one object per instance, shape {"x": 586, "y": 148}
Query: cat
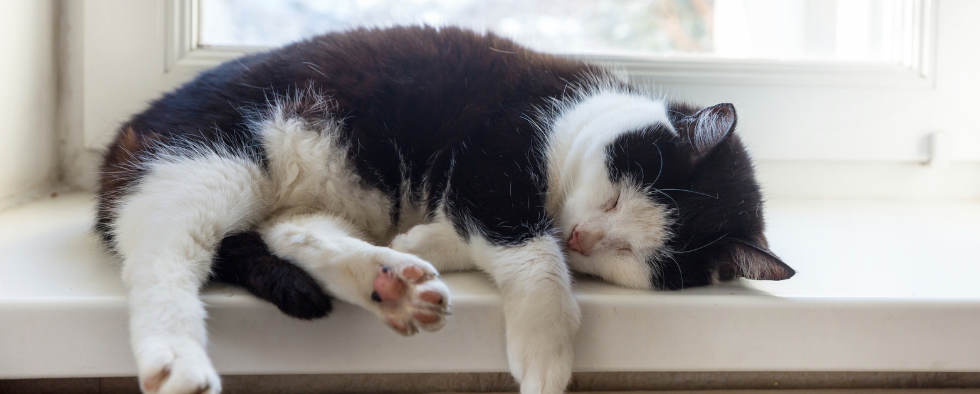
{"x": 358, "y": 165}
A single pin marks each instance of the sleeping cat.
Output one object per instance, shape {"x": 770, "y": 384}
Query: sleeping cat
{"x": 358, "y": 165}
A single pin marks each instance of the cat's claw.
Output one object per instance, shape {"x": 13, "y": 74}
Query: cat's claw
{"x": 412, "y": 297}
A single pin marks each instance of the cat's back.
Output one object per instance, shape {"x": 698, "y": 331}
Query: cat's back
{"x": 413, "y": 81}
{"x": 408, "y": 101}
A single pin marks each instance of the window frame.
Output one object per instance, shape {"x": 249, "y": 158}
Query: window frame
{"x": 184, "y": 53}
{"x": 162, "y": 51}
{"x": 814, "y": 130}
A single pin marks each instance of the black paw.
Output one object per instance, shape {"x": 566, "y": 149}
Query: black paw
{"x": 244, "y": 260}
{"x": 291, "y": 289}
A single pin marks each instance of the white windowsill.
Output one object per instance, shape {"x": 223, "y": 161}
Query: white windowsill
{"x": 881, "y": 286}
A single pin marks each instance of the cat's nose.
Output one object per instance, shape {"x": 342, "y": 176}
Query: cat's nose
{"x": 583, "y": 241}
{"x": 573, "y": 242}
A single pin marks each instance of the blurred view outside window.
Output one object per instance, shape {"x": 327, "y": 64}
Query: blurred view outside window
{"x": 852, "y": 30}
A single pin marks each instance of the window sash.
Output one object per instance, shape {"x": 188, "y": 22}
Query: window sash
{"x": 121, "y": 73}
{"x": 185, "y": 54}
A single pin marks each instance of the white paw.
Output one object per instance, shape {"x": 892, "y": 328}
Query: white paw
{"x": 176, "y": 368}
{"x": 420, "y": 239}
{"x": 410, "y": 294}
{"x": 549, "y": 380}
{"x": 400, "y": 243}
{"x": 416, "y": 241}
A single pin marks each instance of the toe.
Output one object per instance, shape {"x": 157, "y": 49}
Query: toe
{"x": 425, "y": 318}
{"x": 401, "y": 327}
{"x": 412, "y": 273}
{"x": 432, "y": 297}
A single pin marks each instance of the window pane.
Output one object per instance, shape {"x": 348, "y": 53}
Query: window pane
{"x": 867, "y": 30}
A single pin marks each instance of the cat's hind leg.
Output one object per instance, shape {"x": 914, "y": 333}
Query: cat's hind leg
{"x": 400, "y": 288}
{"x": 166, "y": 229}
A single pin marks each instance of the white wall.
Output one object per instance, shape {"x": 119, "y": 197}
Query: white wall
{"x": 28, "y": 96}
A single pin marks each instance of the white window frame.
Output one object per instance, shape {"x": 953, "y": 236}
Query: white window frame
{"x": 184, "y": 57}
{"x": 184, "y": 53}
{"x": 800, "y": 119}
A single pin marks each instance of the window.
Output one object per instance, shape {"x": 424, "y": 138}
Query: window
{"x": 852, "y": 30}
{"x": 563, "y": 26}
{"x": 883, "y": 43}
{"x": 843, "y": 94}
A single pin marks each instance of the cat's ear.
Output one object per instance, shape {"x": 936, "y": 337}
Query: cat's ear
{"x": 706, "y": 128}
{"x": 753, "y": 260}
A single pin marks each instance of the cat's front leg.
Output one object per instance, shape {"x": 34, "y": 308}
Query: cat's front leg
{"x": 541, "y": 314}
{"x": 402, "y": 289}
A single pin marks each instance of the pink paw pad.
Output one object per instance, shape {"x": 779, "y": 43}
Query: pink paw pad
{"x": 387, "y": 286}
{"x": 410, "y": 298}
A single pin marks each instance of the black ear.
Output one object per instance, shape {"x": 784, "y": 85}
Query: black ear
{"x": 755, "y": 261}
{"x": 706, "y": 128}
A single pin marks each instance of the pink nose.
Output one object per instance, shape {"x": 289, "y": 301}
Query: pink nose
{"x": 573, "y": 242}
{"x": 583, "y": 241}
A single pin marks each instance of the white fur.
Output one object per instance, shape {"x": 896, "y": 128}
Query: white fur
{"x": 579, "y": 185}
{"x": 438, "y": 243}
{"x": 347, "y": 266}
{"x": 541, "y": 314}
{"x": 540, "y": 311}
{"x": 579, "y": 136}
{"x": 310, "y": 169}
{"x": 167, "y": 231}
{"x": 581, "y": 131}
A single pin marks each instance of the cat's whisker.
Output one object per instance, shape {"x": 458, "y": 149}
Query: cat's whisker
{"x": 692, "y": 191}
{"x": 661, "y": 156}
{"x": 702, "y": 246}
{"x": 671, "y": 199}
{"x": 680, "y": 272}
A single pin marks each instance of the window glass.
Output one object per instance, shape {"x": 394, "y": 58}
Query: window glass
{"x": 857, "y": 30}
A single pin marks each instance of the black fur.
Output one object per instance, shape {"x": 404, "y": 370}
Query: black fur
{"x": 716, "y": 202}
{"x": 244, "y": 260}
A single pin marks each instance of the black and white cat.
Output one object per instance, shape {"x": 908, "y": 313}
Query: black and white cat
{"x": 296, "y": 167}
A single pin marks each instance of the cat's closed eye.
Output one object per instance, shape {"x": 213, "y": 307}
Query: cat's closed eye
{"x": 611, "y": 204}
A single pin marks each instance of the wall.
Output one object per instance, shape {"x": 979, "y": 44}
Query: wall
{"x": 28, "y": 97}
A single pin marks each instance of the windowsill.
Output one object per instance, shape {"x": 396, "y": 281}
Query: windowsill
{"x": 881, "y": 286}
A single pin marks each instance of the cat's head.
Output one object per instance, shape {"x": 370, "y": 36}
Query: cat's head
{"x": 677, "y": 206}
